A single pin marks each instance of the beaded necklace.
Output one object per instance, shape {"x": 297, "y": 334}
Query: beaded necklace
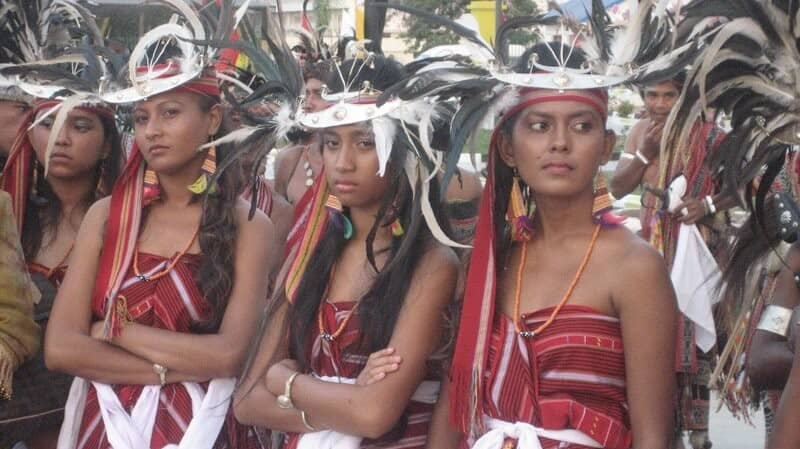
{"x": 170, "y": 265}
{"x": 572, "y": 285}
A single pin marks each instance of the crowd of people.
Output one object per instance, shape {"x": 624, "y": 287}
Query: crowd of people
{"x": 159, "y": 290}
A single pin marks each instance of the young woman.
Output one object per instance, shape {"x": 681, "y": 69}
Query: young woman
{"x": 166, "y": 280}
{"x": 568, "y": 321}
{"x": 82, "y": 167}
{"x": 368, "y": 276}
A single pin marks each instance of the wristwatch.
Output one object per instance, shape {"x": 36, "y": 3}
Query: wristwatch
{"x": 161, "y": 370}
{"x": 285, "y": 400}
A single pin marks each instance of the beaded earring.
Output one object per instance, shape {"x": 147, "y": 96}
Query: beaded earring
{"x": 602, "y": 199}
{"x": 517, "y": 214}
{"x": 151, "y": 191}
{"x": 34, "y": 190}
{"x": 203, "y": 182}
{"x": 338, "y": 217}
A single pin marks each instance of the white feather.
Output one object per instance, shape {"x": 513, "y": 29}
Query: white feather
{"x": 234, "y": 136}
{"x": 505, "y": 97}
{"x": 430, "y": 216}
{"x": 185, "y": 9}
{"x": 67, "y": 105}
{"x": 139, "y": 54}
{"x": 384, "y": 129}
{"x": 284, "y": 120}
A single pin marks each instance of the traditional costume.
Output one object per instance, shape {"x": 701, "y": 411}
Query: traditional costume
{"x": 399, "y": 125}
{"x": 554, "y": 377}
{"x": 38, "y": 72}
{"x": 748, "y": 71}
{"x": 132, "y": 286}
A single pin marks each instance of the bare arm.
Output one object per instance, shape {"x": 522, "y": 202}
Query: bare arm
{"x": 629, "y": 172}
{"x": 285, "y": 162}
{"x": 371, "y": 410}
{"x": 68, "y": 344}
{"x": 770, "y": 359}
{"x": 441, "y": 434}
{"x": 646, "y": 304}
{"x": 282, "y": 214}
{"x": 787, "y": 433}
{"x": 220, "y": 354}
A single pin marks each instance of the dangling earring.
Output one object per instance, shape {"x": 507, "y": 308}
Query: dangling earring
{"x": 100, "y": 190}
{"x": 338, "y": 218}
{"x": 151, "y": 191}
{"x": 602, "y": 200}
{"x": 397, "y": 228}
{"x": 34, "y": 191}
{"x": 209, "y": 168}
{"x": 517, "y": 214}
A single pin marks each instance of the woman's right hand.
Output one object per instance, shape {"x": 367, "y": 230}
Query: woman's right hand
{"x": 379, "y": 364}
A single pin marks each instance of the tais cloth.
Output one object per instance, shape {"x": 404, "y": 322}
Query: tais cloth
{"x": 173, "y": 302}
{"x": 333, "y": 359}
{"x": 571, "y": 376}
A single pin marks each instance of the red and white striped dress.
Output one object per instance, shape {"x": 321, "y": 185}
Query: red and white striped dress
{"x": 263, "y": 196}
{"x": 171, "y": 302}
{"x": 330, "y": 359}
{"x": 571, "y": 376}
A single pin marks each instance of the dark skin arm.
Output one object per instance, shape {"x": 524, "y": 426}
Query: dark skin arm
{"x": 285, "y": 162}
{"x": 770, "y": 358}
{"x": 646, "y": 137}
{"x": 441, "y": 434}
{"x": 70, "y": 347}
{"x": 647, "y": 309}
{"x": 787, "y": 433}
{"x": 363, "y": 410}
{"x": 696, "y": 208}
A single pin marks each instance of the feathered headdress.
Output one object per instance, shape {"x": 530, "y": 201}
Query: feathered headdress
{"x": 642, "y": 52}
{"x": 748, "y": 70}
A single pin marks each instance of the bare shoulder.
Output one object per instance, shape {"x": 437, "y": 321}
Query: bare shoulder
{"x": 260, "y": 223}
{"x": 98, "y": 212}
{"x": 288, "y": 156}
{"x": 5, "y": 202}
{"x": 635, "y": 257}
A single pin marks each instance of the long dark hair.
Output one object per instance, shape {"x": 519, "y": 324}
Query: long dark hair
{"x": 379, "y": 308}
{"x": 217, "y": 236}
{"x": 43, "y": 208}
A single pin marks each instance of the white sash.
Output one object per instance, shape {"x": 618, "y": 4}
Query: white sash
{"x": 527, "y": 436}
{"x": 427, "y": 393}
{"x": 134, "y": 431}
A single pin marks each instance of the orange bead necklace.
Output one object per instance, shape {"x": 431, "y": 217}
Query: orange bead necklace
{"x": 564, "y": 299}
{"x": 170, "y": 265}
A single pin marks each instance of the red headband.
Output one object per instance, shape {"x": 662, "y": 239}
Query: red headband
{"x": 596, "y": 98}
{"x": 206, "y": 84}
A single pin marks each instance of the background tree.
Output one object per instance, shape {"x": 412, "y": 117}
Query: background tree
{"x": 420, "y": 34}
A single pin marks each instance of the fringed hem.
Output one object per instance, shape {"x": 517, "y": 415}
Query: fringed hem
{"x": 8, "y": 364}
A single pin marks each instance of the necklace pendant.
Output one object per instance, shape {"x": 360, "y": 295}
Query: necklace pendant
{"x": 527, "y": 334}
{"x": 143, "y": 278}
{"x": 327, "y": 337}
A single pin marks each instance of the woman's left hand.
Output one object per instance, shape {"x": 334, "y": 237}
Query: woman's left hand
{"x": 279, "y": 373}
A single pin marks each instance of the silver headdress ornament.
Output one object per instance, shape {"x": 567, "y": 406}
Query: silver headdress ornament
{"x": 409, "y": 119}
{"x": 188, "y": 32}
{"x": 56, "y": 53}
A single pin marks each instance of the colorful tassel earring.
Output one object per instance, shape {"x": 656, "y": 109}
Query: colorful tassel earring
{"x": 152, "y": 189}
{"x": 338, "y": 218}
{"x": 517, "y": 214}
{"x": 602, "y": 200}
{"x": 397, "y": 228}
{"x": 203, "y": 182}
{"x": 34, "y": 190}
{"x": 603, "y": 205}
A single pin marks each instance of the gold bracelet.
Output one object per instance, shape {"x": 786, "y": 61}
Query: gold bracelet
{"x": 308, "y": 425}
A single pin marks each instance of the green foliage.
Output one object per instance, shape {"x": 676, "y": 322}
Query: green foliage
{"x": 421, "y": 34}
{"x": 322, "y": 9}
{"x": 519, "y": 8}
{"x": 625, "y": 109}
